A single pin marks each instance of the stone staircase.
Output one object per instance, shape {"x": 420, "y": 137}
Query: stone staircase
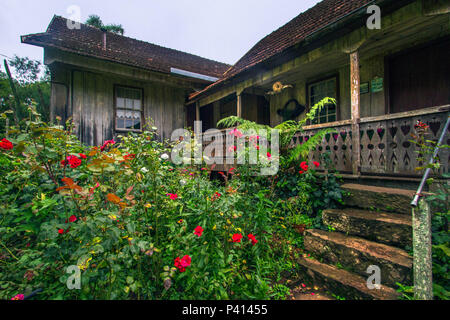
{"x": 373, "y": 229}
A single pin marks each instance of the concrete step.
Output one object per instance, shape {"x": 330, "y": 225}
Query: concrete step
{"x": 357, "y": 254}
{"x": 342, "y": 282}
{"x": 388, "y": 228}
{"x": 378, "y": 198}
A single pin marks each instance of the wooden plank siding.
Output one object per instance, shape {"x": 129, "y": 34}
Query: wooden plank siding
{"x": 92, "y": 106}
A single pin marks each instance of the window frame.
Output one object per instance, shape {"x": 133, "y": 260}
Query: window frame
{"x": 116, "y": 87}
{"x": 319, "y": 80}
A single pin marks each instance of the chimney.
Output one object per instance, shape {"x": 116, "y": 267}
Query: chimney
{"x": 104, "y": 38}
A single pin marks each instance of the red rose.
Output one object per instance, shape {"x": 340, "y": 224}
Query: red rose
{"x": 60, "y": 231}
{"x": 182, "y": 263}
{"x": 237, "y": 237}
{"x": 106, "y": 143}
{"x": 72, "y": 218}
{"x": 252, "y": 238}
{"x": 74, "y": 162}
{"x": 173, "y": 196}
{"x": 82, "y": 156}
{"x": 6, "y": 144}
{"x": 304, "y": 166}
{"x": 185, "y": 261}
{"x": 177, "y": 263}
{"x": 198, "y": 231}
{"x": 316, "y": 164}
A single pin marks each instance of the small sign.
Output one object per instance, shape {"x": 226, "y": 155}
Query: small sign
{"x": 377, "y": 85}
{"x": 364, "y": 88}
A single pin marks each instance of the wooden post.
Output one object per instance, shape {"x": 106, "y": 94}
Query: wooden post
{"x": 239, "y": 104}
{"x": 355, "y": 108}
{"x": 422, "y": 260}
{"x": 197, "y": 111}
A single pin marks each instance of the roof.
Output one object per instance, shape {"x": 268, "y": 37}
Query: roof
{"x": 89, "y": 41}
{"x": 295, "y": 31}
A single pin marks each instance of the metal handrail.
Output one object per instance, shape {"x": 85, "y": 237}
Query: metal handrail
{"x": 427, "y": 171}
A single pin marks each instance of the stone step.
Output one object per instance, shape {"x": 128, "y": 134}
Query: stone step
{"x": 378, "y": 198}
{"x": 343, "y": 283}
{"x": 388, "y": 228}
{"x": 357, "y": 254}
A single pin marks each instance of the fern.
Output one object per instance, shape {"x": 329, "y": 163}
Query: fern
{"x": 301, "y": 151}
{"x": 287, "y": 130}
{"x": 291, "y": 127}
{"x": 234, "y": 121}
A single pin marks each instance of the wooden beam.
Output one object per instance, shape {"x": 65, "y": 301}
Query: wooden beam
{"x": 197, "y": 111}
{"x": 239, "y": 105}
{"x": 355, "y": 109}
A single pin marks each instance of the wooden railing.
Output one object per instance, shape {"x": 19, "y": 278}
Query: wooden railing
{"x": 385, "y": 147}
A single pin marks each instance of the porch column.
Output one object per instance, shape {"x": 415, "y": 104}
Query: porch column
{"x": 355, "y": 106}
{"x": 197, "y": 111}
{"x": 239, "y": 104}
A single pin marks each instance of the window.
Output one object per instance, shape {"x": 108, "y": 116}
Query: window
{"x": 129, "y": 109}
{"x": 319, "y": 90}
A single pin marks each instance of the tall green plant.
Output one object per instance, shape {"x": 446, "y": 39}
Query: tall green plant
{"x": 287, "y": 131}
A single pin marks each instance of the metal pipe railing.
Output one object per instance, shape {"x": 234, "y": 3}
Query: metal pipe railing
{"x": 421, "y": 232}
{"x": 427, "y": 171}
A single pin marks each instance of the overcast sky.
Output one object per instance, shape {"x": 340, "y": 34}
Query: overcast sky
{"x": 214, "y": 29}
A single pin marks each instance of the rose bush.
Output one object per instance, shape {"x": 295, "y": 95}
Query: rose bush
{"x": 135, "y": 225}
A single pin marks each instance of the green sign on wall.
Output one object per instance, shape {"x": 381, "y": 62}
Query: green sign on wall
{"x": 377, "y": 85}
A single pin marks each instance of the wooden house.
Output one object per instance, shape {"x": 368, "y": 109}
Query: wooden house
{"x": 112, "y": 84}
{"x": 384, "y": 80}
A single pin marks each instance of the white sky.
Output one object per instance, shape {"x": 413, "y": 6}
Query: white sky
{"x": 218, "y": 30}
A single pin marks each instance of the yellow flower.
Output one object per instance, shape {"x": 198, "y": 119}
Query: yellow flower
{"x": 148, "y": 205}
{"x": 244, "y": 261}
{"x": 239, "y": 229}
{"x": 84, "y": 265}
{"x": 215, "y": 227}
{"x": 112, "y": 217}
{"x": 221, "y": 213}
{"x": 228, "y": 221}
{"x": 283, "y": 226}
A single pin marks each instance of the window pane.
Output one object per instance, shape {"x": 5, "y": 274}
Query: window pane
{"x": 137, "y": 124}
{"x": 137, "y": 104}
{"x": 318, "y": 91}
{"x": 120, "y": 102}
{"x": 120, "y": 123}
{"x": 129, "y": 107}
{"x": 128, "y": 103}
{"x": 129, "y": 123}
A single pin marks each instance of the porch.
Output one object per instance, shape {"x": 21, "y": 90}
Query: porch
{"x": 384, "y": 81}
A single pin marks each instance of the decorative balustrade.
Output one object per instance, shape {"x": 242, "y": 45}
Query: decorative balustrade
{"x": 385, "y": 143}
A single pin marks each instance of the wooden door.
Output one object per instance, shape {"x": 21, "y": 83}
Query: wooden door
{"x": 420, "y": 78}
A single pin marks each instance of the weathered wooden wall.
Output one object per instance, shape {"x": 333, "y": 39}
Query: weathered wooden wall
{"x": 91, "y": 103}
